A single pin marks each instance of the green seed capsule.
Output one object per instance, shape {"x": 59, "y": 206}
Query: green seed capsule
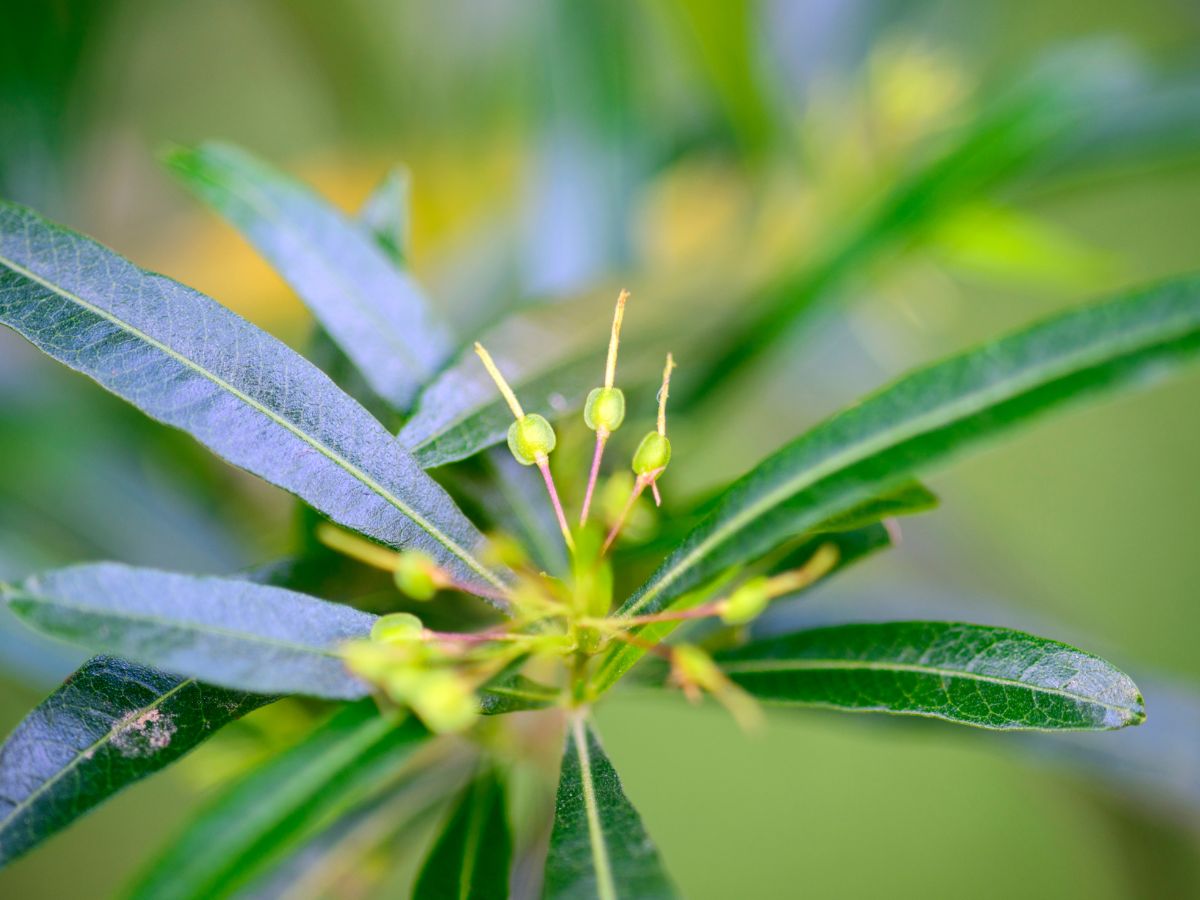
{"x": 414, "y": 576}
{"x": 530, "y": 437}
{"x": 746, "y": 603}
{"x": 396, "y": 628}
{"x": 605, "y": 409}
{"x": 654, "y": 452}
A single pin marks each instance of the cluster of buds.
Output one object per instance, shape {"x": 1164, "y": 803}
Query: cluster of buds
{"x": 531, "y": 437}
{"x": 440, "y": 675}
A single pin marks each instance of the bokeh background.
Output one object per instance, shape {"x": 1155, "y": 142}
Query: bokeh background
{"x": 733, "y": 154}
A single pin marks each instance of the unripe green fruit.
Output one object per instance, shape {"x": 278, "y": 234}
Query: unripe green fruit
{"x": 605, "y": 409}
{"x": 654, "y": 452}
{"x": 414, "y": 577}
{"x": 396, "y": 628}
{"x": 530, "y": 437}
{"x": 746, "y": 603}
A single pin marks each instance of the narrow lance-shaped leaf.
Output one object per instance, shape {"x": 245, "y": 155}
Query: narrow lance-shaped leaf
{"x": 972, "y": 674}
{"x": 374, "y": 310}
{"x": 185, "y": 360}
{"x": 926, "y": 418}
{"x": 277, "y": 807}
{"x": 227, "y": 632}
{"x": 472, "y": 856}
{"x": 599, "y": 847}
{"x": 111, "y": 724}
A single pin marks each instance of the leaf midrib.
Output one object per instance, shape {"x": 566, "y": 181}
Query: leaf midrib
{"x": 358, "y": 474}
{"x": 757, "y": 666}
{"x": 962, "y": 407}
{"x": 605, "y": 882}
{"x": 176, "y": 624}
{"x": 87, "y": 753}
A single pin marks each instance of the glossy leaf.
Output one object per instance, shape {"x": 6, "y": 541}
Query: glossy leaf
{"x": 599, "y": 847}
{"x": 111, "y": 724}
{"x": 184, "y": 360}
{"x": 852, "y": 546}
{"x": 232, "y": 633}
{"x": 473, "y": 854}
{"x": 971, "y": 674}
{"x": 927, "y": 417}
{"x": 275, "y": 808}
{"x": 374, "y": 311}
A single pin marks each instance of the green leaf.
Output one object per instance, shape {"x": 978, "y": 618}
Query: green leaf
{"x": 906, "y": 500}
{"x": 927, "y": 417}
{"x": 373, "y": 310}
{"x": 515, "y": 693}
{"x": 852, "y": 546}
{"x": 252, "y": 826}
{"x": 971, "y": 674}
{"x": 184, "y": 360}
{"x": 386, "y": 215}
{"x": 232, "y": 633}
{"x": 473, "y": 853}
{"x": 111, "y": 724}
{"x": 599, "y": 847}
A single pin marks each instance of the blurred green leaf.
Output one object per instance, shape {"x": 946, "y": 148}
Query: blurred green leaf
{"x": 386, "y": 215}
{"x": 599, "y": 847}
{"x": 1022, "y": 127}
{"x": 971, "y": 674}
{"x": 111, "y": 724}
{"x": 374, "y": 311}
{"x": 232, "y": 633}
{"x": 927, "y": 417}
{"x": 278, "y": 806}
{"x": 907, "y": 500}
{"x": 473, "y": 853}
{"x": 185, "y": 360}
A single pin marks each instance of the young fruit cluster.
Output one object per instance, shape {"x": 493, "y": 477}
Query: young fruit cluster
{"x": 441, "y": 676}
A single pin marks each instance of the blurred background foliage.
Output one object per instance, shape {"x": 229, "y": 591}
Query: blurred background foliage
{"x": 848, "y": 188}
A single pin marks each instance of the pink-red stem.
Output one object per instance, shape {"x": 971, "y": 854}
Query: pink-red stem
{"x": 601, "y": 440}
{"x": 544, "y": 465}
{"x": 638, "y": 487}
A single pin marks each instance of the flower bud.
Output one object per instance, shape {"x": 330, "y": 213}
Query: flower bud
{"x": 653, "y": 453}
{"x": 530, "y": 437}
{"x": 605, "y": 409}
{"x": 746, "y": 603}
{"x": 397, "y": 628}
{"x": 414, "y": 576}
